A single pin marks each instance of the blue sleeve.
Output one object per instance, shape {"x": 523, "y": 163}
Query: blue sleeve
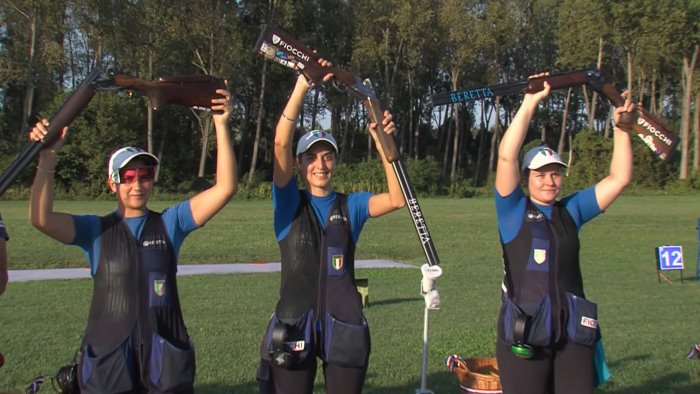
{"x": 582, "y": 206}
{"x": 358, "y": 205}
{"x": 285, "y": 201}
{"x": 179, "y": 223}
{"x": 510, "y": 210}
{"x": 3, "y": 230}
{"x": 87, "y": 237}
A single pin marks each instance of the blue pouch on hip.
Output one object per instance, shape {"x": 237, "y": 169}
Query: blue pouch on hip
{"x": 602, "y": 373}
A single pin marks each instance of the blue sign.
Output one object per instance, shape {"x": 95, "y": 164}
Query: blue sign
{"x": 669, "y": 257}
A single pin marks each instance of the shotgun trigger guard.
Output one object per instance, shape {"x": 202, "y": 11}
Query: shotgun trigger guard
{"x": 362, "y": 89}
{"x": 339, "y": 86}
{"x": 595, "y": 80}
{"x": 105, "y": 83}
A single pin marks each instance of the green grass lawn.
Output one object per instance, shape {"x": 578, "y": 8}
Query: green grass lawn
{"x": 647, "y": 326}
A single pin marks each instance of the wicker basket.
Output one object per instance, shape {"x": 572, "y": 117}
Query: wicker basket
{"x": 476, "y": 375}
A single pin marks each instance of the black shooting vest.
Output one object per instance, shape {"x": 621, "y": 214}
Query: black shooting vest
{"x": 543, "y": 259}
{"x": 135, "y": 292}
{"x": 318, "y": 266}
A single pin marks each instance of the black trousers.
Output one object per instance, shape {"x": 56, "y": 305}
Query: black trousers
{"x": 300, "y": 378}
{"x": 565, "y": 368}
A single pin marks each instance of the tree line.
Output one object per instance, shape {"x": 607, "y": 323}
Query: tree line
{"x": 410, "y": 49}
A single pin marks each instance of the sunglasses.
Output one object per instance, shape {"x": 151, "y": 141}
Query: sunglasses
{"x": 144, "y": 174}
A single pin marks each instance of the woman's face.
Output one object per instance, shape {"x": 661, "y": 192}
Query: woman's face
{"x": 544, "y": 183}
{"x": 316, "y": 165}
{"x": 135, "y": 188}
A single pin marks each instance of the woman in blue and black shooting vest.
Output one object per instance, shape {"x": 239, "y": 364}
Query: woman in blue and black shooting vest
{"x": 135, "y": 340}
{"x": 547, "y": 330}
{"x": 319, "y": 312}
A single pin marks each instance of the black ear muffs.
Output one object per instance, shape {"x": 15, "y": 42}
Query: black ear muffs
{"x": 66, "y": 380}
{"x": 520, "y": 348}
{"x": 279, "y": 354}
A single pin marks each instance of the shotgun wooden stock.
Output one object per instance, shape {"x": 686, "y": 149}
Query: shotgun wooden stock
{"x": 186, "y": 90}
{"x": 655, "y": 134}
{"x": 279, "y": 47}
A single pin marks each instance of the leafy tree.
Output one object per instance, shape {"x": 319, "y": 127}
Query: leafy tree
{"x": 593, "y": 163}
{"x": 410, "y": 50}
{"x": 414, "y": 20}
{"x": 462, "y": 50}
{"x": 582, "y": 31}
{"x": 31, "y": 55}
{"x": 689, "y": 48}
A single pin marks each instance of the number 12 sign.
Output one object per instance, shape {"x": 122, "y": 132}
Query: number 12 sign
{"x": 669, "y": 257}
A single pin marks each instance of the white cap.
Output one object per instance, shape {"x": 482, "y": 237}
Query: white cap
{"x": 123, "y": 156}
{"x": 539, "y": 157}
{"x": 313, "y": 137}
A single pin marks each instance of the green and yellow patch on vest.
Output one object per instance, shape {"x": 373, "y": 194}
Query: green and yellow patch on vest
{"x": 540, "y": 256}
{"x": 159, "y": 287}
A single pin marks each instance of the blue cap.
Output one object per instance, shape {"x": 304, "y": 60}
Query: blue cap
{"x": 313, "y": 137}
{"x": 123, "y": 156}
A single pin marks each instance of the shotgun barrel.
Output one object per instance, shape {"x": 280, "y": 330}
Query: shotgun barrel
{"x": 70, "y": 109}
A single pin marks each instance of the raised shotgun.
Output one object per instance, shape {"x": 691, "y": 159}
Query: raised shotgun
{"x": 655, "y": 134}
{"x": 187, "y": 90}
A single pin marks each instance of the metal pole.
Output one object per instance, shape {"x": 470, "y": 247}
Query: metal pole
{"x": 424, "y": 368}
{"x": 432, "y": 301}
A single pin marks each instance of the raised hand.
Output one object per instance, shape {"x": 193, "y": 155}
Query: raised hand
{"x": 539, "y": 96}
{"x": 387, "y": 122}
{"x": 40, "y": 130}
{"x": 623, "y": 116}
{"x": 221, "y": 107}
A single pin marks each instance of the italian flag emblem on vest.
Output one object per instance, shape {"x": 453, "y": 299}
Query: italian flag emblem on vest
{"x": 337, "y": 261}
